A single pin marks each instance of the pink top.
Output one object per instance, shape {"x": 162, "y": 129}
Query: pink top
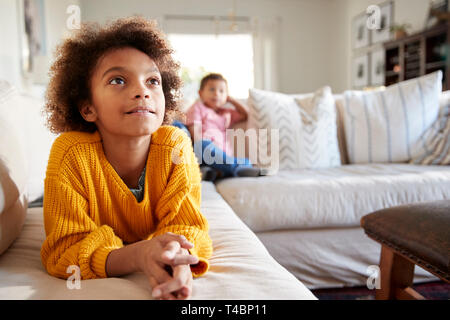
{"x": 214, "y": 124}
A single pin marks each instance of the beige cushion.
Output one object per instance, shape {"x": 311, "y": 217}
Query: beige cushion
{"x": 13, "y": 178}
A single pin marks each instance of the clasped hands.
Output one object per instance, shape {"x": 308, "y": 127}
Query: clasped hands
{"x": 166, "y": 261}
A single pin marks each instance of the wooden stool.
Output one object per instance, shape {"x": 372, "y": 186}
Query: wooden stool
{"x": 410, "y": 234}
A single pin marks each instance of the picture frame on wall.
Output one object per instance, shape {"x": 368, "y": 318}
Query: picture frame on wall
{"x": 377, "y": 61}
{"x": 386, "y": 21}
{"x": 33, "y": 33}
{"x": 360, "y": 32}
{"x": 361, "y": 71}
{"x": 436, "y": 7}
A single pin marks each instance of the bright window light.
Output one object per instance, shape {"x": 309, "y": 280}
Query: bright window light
{"x": 228, "y": 54}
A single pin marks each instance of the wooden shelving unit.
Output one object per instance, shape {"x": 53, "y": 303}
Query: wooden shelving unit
{"x": 418, "y": 54}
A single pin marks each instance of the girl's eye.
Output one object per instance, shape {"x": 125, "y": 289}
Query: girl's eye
{"x": 117, "y": 81}
{"x": 154, "y": 81}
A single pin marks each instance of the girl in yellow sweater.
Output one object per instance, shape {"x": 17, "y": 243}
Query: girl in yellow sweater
{"x": 122, "y": 188}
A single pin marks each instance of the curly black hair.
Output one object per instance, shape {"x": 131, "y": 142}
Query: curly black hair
{"x": 77, "y": 57}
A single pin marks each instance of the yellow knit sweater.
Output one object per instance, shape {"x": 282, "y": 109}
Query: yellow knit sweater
{"x": 89, "y": 211}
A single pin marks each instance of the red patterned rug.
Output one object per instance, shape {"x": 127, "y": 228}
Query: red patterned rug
{"x": 438, "y": 290}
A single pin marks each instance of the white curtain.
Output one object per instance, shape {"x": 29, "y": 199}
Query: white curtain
{"x": 265, "y": 32}
{"x": 266, "y": 35}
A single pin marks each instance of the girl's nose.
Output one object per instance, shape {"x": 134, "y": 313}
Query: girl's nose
{"x": 141, "y": 91}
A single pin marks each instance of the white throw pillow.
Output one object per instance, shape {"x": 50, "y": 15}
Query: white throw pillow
{"x": 25, "y": 112}
{"x": 276, "y": 119}
{"x": 296, "y": 146}
{"x": 318, "y": 147}
{"x": 13, "y": 182}
{"x": 385, "y": 125}
{"x": 434, "y": 145}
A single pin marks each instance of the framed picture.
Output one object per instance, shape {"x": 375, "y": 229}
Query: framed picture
{"x": 386, "y": 20}
{"x": 361, "y": 71}
{"x": 377, "y": 59}
{"x": 437, "y": 7}
{"x": 360, "y": 32}
{"x": 34, "y": 38}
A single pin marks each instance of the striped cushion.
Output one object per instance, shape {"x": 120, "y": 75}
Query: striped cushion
{"x": 435, "y": 149}
{"x": 386, "y": 125}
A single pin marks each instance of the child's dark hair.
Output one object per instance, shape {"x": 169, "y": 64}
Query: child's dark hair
{"x": 77, "y": 56}
{"x": 211, "y": 76}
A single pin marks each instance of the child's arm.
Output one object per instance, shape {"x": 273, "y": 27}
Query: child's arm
{"x": 194, "y": 122}
{"x": 239, "y": 108}
{"x": 178, "y": 209}
{"x": 73, "y": 237}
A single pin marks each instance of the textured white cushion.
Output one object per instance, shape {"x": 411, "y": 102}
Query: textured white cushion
{"x": 13, "y": 181}
{"x": 384, "y": 125}
{"x": 318, "y": 144}
{"x": 434, "y": 145}
{"x": 25, "y": 113}
{"x": 280, "y": 113}
{"x": 331, "y": 197}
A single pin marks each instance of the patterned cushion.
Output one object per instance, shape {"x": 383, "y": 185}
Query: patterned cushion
{"x": 318, "y": 147}
{"x": 385, "y": 125}
{"x": 276, "y": 119}
{"x": 299, "y": 128}
{"x": 434, "y": 145}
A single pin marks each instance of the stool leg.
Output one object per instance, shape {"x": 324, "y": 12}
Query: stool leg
{"x": 396, "y": 274}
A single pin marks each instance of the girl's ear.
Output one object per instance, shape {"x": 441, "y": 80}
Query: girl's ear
{"x": 88, "y": 112}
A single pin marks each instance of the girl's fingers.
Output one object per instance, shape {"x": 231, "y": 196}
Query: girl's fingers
{"x": 179, "y": 259}
{"x": 181, "y": 275}
{"x": 170, "y": 250}
{"x": 154, "y": 283}
{"x": 169, "y": 236}
{"x": 157, "y": 271}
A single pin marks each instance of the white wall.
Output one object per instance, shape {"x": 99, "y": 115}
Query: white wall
{"x": 413, "y": 12}
{"x": 10, "y": 42}
{"x": 10, "y": 37}
{"x": 304, "y": 46}
{"x": 314, "y": 45}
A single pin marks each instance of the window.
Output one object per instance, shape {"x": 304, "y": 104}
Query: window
{"x": 228, "y": 54}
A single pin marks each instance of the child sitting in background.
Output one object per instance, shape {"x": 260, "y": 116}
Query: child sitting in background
{"x": 207, "y": 121}
{"x": 115, "y": 202}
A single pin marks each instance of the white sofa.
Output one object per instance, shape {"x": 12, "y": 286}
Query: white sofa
{"x": 241, "y": 268}
{"x": 274, "y": 237}
{"x": 309, "y": 219}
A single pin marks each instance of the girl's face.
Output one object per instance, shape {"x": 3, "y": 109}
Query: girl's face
{"x": 214, "y": 93}
{"x": 127, "y": 94}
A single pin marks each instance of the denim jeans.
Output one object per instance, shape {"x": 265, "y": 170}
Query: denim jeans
{"x": 207, "y": 153}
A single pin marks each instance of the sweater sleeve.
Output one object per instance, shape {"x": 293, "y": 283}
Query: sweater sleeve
{"x": 178, "y": 209}
{"x": 73, "y": 237}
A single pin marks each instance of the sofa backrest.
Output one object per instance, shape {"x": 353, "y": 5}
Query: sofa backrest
{"x": 339, "y": 104}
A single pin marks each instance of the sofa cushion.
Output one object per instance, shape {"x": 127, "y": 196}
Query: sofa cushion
{"x": 13, "y": 180}
{"x": 274, "y": 115}
{"x": 331, "y": 197}
{"x": 434, "y": 145}
{"x": 384, "y": 125}
{"x": 318, "y": 143}
{"x": 25, "y": 113}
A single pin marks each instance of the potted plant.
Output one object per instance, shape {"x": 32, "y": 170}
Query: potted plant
{"x": 399, "y": 30}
